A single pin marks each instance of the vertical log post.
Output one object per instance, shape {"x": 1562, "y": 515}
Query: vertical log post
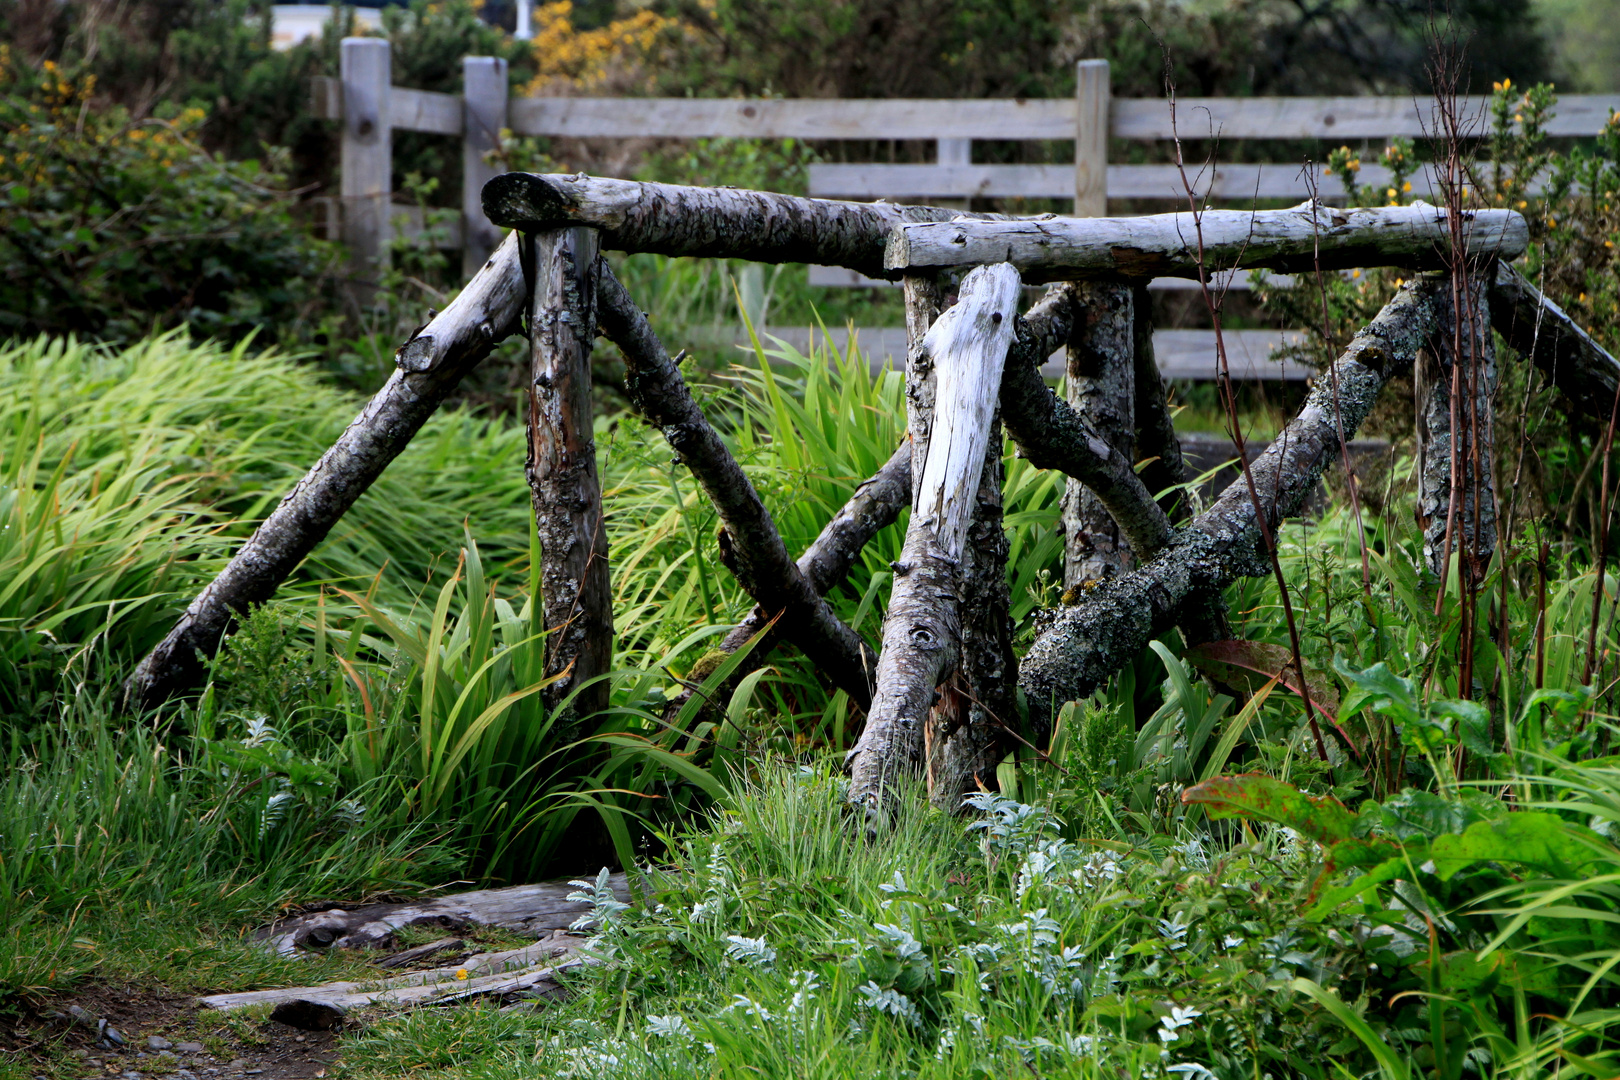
{"x": 1463, "y": 331}
{"x": 1094, "y": 97}
{"x": 1102, "y": 381}
{"x": 366, "y": 162}
{"x": 561, "y": 266}
{"x": 955, "y": 376}
{"x": 484, "y": 90}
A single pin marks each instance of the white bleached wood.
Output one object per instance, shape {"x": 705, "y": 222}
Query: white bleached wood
{"x": 1045, "y": 249}
{"x": 968, "y": 345}
{"x": 1092, "y": 96}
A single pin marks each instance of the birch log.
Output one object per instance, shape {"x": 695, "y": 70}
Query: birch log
{"x": 750, "y": 546}
{"x": 1102, "y": 390}
{"x": 965, "y": 349}
{"x": 1078, "y": 647}
{"x": 431, "y": 363}
{"x": 721, "y": 223}
{"x": 567, "y": 495}
{"x": 1166, "y": 245}
{"x": 1454, "y": 435}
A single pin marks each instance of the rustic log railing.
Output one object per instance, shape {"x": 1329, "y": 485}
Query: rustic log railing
{"x": 940, "y": 692}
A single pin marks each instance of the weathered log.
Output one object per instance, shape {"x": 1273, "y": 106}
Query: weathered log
{"x": 532, "y": 969}
{"x": 1077, "y": 648}
{"x": 720, "y": 223}
{"x": 1541, "y": 330}
{"x": 1158, "y": 448}
{"x": 528, "y": 909}
{"x": 1052, "y": 435}
{"x": 1454, "y": 437}
{"x": 966, "y": 349}
{"x": 407, "y": 957}
{"x": 1165, "y": 245}
{"x": 575, "y": 586}
{"x": 432, "y": 363}
{"x": 1102, "y": 390}
{"x": 750, "y": 546}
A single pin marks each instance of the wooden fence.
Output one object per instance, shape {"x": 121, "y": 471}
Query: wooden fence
{"x": 372, "y": 108}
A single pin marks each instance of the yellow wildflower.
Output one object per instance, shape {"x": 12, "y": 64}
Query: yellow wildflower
{"x": 462, "y": 973}
{"x": 1523, "y": 203}
{"x": 1355, "y": 273}
{"x": 1407, "y": 186}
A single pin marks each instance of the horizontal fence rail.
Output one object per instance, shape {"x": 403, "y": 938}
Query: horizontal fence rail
{"x": 371, "y": 108}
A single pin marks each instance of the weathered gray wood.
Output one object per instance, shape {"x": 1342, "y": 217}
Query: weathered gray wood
{"x": 1464, "y": 357}
{"x": 533, "y": 968}
{"x": 407, "y": 957}
{"x": 963, "y": 352}
{"x": 1093, "y": 96}
{"x": 366, "y": 161}
{"x": 426, "y": 111}
{"x": 1102, "y": 391}
{"x": 567, "y": 495}
{"x": 432, "y": 363}
{"x": 1541, "y": 330}
{"x": 1020, "y": 118}
{"x": 750, "y": 546}
{"x": 537, "y": 909}
{"x": 485, "y": 83}
{"x": 726, "y": 223}
{"x": 1052, "y": 435}
{"x": 1166, "y": 244}
{"x": 1157, "y": 446}
{"x": 1080, "y": 646}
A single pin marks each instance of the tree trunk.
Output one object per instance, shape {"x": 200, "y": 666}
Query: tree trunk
{"x": 750, "y": 546}
{"x": 1454, "y": 435}
{"x": 1080, "y": 646}
{"x": 1156, "y": 443}
{"x": 720, "y": 223}
{"x": 1101, "y": 378}
{"x": 1160, "y": 245}
{"x": 954, "y": 376}
{"x": 577, "y": 593}
{"x": 432, "y": 363}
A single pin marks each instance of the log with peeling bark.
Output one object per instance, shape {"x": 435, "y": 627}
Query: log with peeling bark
{"x": 577, "y": 593}
{"x": 1166, "y": 245}
{"x": 1454, "y": 435}
{"x": 1078, "y": 647}
{"x": 432, "y": 363}
{"x": 1102, "y": 390}
{"x": 965, "y": 350}
{"x": 532, "y": 970}
{"x": 535, "y": 909}
{"x": 750, "y": 546}
{"x": 1541, "y": 330}
{"x": 721, "y": 223}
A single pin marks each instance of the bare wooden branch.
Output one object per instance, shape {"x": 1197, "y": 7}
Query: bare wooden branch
{"x": 1541, "y": 330}
{"x": 432, "y": 363}
{"x": 1052, "y": 435}
{"x": 1079, "y": 647}
{"x": 966, "y": 349}
{"x": 1166, "y": 245}
{"x": 567, "y": 495}
{"x": 722, "y": 223}
{"x": 1102, "y": 390}
{"x": 750, "y": 545}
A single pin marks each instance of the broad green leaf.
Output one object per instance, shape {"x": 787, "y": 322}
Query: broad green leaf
{"x": 1543, "y": 841}
{"x": 1320, "y": 817}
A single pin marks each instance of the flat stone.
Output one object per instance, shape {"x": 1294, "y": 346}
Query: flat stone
{"x": 239, "y": 1063}
{"x": 184, "y": 1074}
{"x": 158, "y": 1042}
{"x": 189, "y": 1047}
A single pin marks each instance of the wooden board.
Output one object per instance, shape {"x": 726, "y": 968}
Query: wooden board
{"x": 1181, "y": 354}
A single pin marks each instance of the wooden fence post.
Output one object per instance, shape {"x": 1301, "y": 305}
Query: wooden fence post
{"x": 485, "y": 88}
{"x": 367, "y": 161}
{"x": 1093, "y": 97}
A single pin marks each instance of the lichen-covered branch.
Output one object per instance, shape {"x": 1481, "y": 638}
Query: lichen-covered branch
{"x": 432, "y": 363}
{"x": 1078, "y": 647}
{"x": 1157, "y": 448}
{"x": 721, "y": 223}
{"x": 750, "y": 546}
{"x": 1102, "y": 390}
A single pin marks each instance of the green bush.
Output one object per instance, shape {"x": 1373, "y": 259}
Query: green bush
{"x": 113, "y": 228}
